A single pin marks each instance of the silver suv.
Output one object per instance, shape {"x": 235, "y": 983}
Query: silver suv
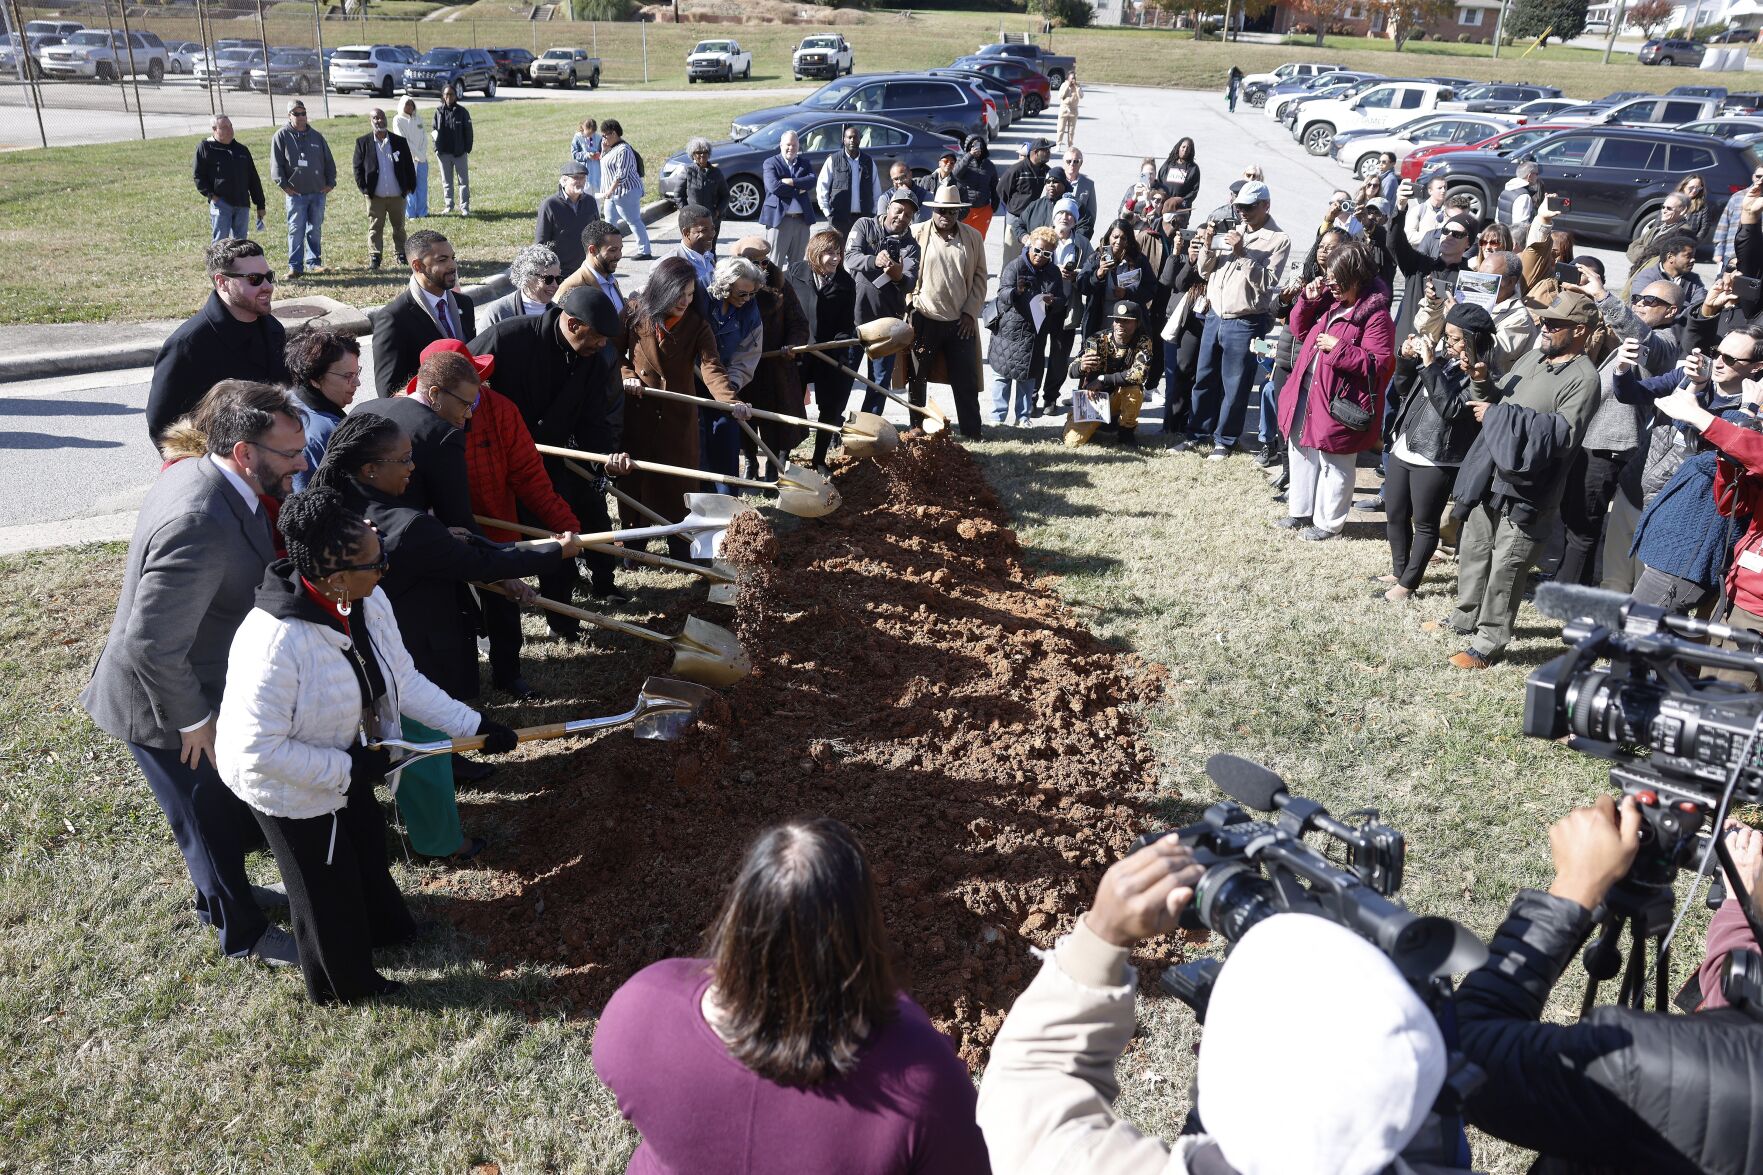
{"x": 379, "y": 68}
{"x": 106, "y": 55}
{"x": 229, "y": 68}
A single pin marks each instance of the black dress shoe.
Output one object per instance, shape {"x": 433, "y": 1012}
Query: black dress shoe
{"x": 270, "y": 897}
{"x": 470, "y": 770}
{"x": 518, "y": 687}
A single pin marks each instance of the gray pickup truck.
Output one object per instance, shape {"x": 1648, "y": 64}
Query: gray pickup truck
{"x": 1056, "y": 67}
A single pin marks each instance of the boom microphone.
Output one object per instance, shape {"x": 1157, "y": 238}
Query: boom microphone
{"x": 1249, "y": 784}
{"x": 1621, "y": 614}
{"x": 1571, "y": 601}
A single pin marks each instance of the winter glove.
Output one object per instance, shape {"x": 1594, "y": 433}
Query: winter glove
{"x": 368, "y": 764}
{"x": 498, "y": 739}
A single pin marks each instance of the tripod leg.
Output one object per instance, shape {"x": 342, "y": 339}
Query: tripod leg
{"x": 1662, "y": 981}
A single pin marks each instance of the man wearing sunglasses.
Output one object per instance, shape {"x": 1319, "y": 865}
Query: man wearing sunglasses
{"x": 1456, "y": 236}
{"x": 386, "y": 174}
{"x": 1509, "y": 488}
{"x": 233, "y": 336}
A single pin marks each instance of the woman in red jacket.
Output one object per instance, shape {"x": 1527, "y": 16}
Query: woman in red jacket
{"x": 1331, "y": 404}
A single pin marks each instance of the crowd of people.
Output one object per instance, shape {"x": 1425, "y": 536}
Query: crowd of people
{"x": 307, "y": 576}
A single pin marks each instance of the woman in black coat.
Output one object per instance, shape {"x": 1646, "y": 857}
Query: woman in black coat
{"x": 977, "y": 177}
{"x": 1180, "y": 174}
{"x": 1018, "y": 353}
{"x": 828, "y": 295}
{"x": 1122, "y": 273}
{"x": 704, "y": 184}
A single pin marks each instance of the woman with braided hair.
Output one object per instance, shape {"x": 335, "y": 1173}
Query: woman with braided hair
{"x": 315, "y": 672}
{"x": 427, "y": 584}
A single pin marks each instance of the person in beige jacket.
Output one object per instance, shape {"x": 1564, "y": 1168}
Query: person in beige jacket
{"x": 1317, "y": 1057}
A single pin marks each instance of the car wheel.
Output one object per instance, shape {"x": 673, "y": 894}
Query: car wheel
{"x": 300, "y": 85}
{"x": 1256, "y": 97}
{"x": 1644, "y": 221}
{"x": 156, "y": 70}
{"x": 798, "y": 77}
{"x": 691, "y": 81}
{"x": 104, "y": 72}
{"x": 1667, "y": 61}
{"x": 594, "y": 80}
{"x": 1056, "y": 78}
{"x": 1366, "y": 168}
{"x": 744, "y": 197}
{"x": 490, "y": 88}
{"x": 1469, "y": 194}
{"x": 747, "y": 72}
{"x": 1318, "y": 138}
{"x": 1033, "y": 105}
{"x": 386, "y": 86}
{"x": 569, "y": 82}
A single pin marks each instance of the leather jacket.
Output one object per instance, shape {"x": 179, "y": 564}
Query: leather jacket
{"x": 1432, "y": 412}
{"x": 1620, "y": 1090}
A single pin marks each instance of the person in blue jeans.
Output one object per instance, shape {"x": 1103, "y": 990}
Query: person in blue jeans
{"x": 621, "y": 197}
{"x": 300, "y": 164}
{"x": 226, "y": 176}
{"x": 728, "y": 306}
{"x": 1242, "y": 267}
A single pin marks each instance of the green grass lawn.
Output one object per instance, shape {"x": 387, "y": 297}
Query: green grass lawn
{"x": 133, "y": 1046}
{"x": 140, "y": 254}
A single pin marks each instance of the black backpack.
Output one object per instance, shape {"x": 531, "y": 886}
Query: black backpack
{"x": 639, "y": 155}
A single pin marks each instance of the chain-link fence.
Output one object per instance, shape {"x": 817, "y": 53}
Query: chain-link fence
{"x": 103, "y": 71}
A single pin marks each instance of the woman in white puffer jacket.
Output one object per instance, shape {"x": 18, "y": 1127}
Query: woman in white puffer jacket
{"x": 316, "y": 669}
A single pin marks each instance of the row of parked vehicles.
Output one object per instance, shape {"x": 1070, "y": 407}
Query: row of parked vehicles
{"x": 910, "y": 117}
{"x": 1612, "y": 161}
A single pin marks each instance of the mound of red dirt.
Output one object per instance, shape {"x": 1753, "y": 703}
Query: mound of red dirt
{"x": 912, "y": 680}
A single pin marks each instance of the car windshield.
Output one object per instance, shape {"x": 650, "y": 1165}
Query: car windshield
{"x": 713, "y": 47}
{"x": 820, "y": 43}
{"x": 833, "y": 93}
{"x": 351, "y": 55}
{"x": 556, "y": 54}
{"x": 240, "y": 55}
{"x": 288, "y": 57}
{"x": 442, "y": 57}
{"x": 768, "y": 136}
{"x": 1476, "y": 93}
{"x": 89, "y": 38}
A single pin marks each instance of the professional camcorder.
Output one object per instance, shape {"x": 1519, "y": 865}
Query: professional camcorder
{"x": 1255, "y": 869}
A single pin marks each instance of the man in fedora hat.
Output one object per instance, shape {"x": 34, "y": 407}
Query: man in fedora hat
{"x": 564, "y": 214}
{"x": 946, "y": 305}
{"x": 882, "y": 259}
{"x": 1509, "y": 488}
{"x": 1110, "y": 370}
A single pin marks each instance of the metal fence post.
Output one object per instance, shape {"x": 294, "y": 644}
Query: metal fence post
{"x": 324, "y": 75}
{"x": 207, "y": 47}
{"x": 25, "y": 73}
{"x": 128, "y": 44}
{"x": 268, "y": 85}
{"x": 645, "y": 25}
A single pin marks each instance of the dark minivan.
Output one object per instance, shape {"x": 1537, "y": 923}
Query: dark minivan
{"x": 945, "y": 105}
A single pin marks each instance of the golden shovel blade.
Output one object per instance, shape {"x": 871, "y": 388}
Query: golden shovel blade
{"x": 882, "y": 337}
{"x": 666, "y": 708}
{"x": 805, "y": 493}
{"x": 869, "y": 434}
{"x": 709, "y": 654}
{"x": 933, "y": 418}
{"x": 724, "y": 591}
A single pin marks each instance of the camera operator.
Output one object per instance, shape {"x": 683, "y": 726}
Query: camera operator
{"x": 1728, "y": 930}
{"x": 1317, "y": 1056}
{"x": 1733, "y": 304}
{"x": 1622, "y": 1089}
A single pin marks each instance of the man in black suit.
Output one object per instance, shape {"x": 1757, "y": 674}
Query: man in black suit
{"x": 386, "y": 174}
{"x": 432, "y": 308}
{"x": 233, "y": 336}
{"x": 200, "y": 548}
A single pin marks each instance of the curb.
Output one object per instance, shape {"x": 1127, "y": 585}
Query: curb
{"x": 17, "y": 368}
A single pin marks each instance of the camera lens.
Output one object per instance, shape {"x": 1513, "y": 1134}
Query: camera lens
{"x": 1232, "y": 897}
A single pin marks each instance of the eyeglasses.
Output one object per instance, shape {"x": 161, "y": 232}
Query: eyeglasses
{"x": 379, "y": 568}
{"x": 1735, "y": 361}
{"x": 1040, "y": 252}
{"x": 254, "y": 279}
{"x": 1455, "y": 232}
{"x": 288, "y": 454}
{"x": 549, "y": 279}
{"x": 350, "y": 376}
{"x": 470, "y": 405}
{"x": 408, "y": 462}
{"x": 1647, "y": 300}
{"x": 740, "y": 296}
{"x": 1555, "y": 326}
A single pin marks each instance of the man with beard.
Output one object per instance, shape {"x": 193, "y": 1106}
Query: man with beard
{"x": 431, "y": 308}
{"x": 848, "y": 183}
{"x": 1510, "y": 485}
{"x": 233, "y": 336}
{"x": 882, "y": 259}
{"x": 199, "y": 551}
{"x": 1022, "y": 185}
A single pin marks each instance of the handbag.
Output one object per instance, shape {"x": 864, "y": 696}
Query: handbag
{"x": 992, "y": 314}
{"x": 1348, "y": 414}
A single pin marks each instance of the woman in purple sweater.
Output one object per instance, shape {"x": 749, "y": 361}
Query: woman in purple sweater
{"x": 789, "y": 1049}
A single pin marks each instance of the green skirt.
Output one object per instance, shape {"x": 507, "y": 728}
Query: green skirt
{"x": 425, "y": 798}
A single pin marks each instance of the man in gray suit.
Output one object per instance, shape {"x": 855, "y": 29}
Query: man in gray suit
{"x": 199, "y": 551}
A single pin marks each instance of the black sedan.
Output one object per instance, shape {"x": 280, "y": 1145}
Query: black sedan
{"x": 743, "y": 162}
{"x": 1611, "y": 180}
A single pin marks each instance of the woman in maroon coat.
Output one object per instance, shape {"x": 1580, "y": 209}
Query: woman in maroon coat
{"x": 1331, "y": 405}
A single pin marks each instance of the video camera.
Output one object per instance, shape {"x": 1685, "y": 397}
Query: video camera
{"x": 1255, "y": 869}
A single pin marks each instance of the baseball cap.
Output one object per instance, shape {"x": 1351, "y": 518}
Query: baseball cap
{"x": 950, "y": 153}
{"x": 593, "y": 307}
{"x": 1252, "y": 192}
{"x": 1570, "y": 306}
{"x": 1379, "y": 203}
{"x": 1040, "y": 145}
{"x": 296, "y": 104}
{"x": 903, "y": 196}
{"x": 1125, "y": 309}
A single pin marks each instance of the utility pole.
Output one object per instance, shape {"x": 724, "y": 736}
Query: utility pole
{"x": 1500, "y": 28}
{"x": 1615, "y": 23}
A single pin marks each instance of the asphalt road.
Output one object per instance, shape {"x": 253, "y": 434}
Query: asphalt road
{"x": 75, "y": 450}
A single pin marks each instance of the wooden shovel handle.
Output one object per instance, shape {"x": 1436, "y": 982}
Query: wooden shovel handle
{"x": 586, "y": 617}
{"x": 896, "y": 397}
{"x": 657, "y": 467}
{"x": 815, "y": 348}
{"x": 497, "y": 524}
{"x": 722, "y": 406}
{"x": 652, "y": 515}
{"x": 661, "y": 561}
{"x": 526, "y": 734}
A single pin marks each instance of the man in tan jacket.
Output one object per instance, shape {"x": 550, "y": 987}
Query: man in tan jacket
{"x": 946, "y": 305}
{"x": 1317, "y": 1055}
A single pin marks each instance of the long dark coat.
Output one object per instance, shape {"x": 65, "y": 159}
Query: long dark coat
{"x": 1018, "y": 350}
{"x": 665, "y": 430}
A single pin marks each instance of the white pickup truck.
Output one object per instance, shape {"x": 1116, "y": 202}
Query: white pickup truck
{"x": 718, "y": 61}
{"x": 1385, "y": 105}
{"x": 824, "y": 55}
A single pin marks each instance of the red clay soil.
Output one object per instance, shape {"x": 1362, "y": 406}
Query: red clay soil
{"x": 911, "y": 679}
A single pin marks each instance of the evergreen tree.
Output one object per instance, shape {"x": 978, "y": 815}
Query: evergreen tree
{"x": 1562, "y": 20}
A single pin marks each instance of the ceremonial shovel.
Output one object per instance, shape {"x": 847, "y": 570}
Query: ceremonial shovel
{"x": 880, "y": 338}
{"x": 720, "y": 574}
{"x": 792, "y": 497}
{"x": 865, "y": 434}
{"x": 665, "y": 709}
{"x": 702, "y": 652}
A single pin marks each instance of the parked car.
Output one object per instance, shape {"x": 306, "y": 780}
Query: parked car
{"x": 1652, "y": 110}
{"x": 944, "y": 105}
{"x": 1293, "y": 106}
{"x": 289, "y": 71}
{"x": 1729, "y": 126}
{"x": 564, "y": 68}
{"x": 106, "y": 55}
{"x": 1612, "y": 180}
{"x": 1012, "y": 104}
{"x": 229, "y": 68}
{"x": 718, "y": 61}
{"x": 1503, "y": 143}
{"x": 1544, "y": 108}
{"x": 821, "y": 134}
{"x": 463, "y": 69}
{"x": 376, "y": 68}
{"x": 1383, "y": 105}
{"x": 180, "y": 56}
{"x": 1747, "y": 102}
{"x": 1055, "y": 66}
{"x": 52, "y": 28}
{"x": 1282, "y": 96}
{"x": 1734, "y": 37}
{"x": 1498, "y": 97}
{"x": 1036, "y": 89}
{"x": 512, "y": 65}
{"x": 824, "y": 55}
{"x": 22, "y": 59}
{"x": 1359, "y": 151}
{"x": 1672, "y": 51}
{"x": 1257, "y": 86}
{"x": 1697, "y": 92}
